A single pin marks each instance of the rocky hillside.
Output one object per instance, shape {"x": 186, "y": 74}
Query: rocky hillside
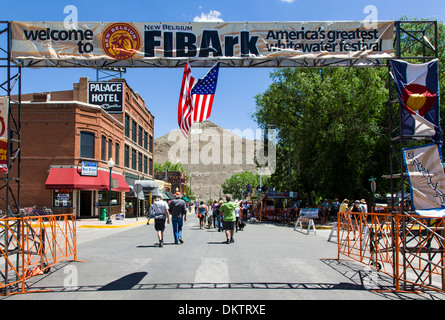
{"x": 210, "y": 155}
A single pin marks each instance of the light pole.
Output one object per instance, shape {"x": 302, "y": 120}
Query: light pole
{"x": 110, "y": 166}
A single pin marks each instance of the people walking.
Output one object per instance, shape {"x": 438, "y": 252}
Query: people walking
{"x": 178, "y": 211}
{"x": 202, "y": 212}
{"x": 344, "y": 205}
{"x": 363, "y": 206}
{"x": 215, "y": 213}
{"x": 161, "y": 214}
{"x": 219, "y": 217}
{"x": 335, "y": 208}
{"x": 237, "y": 217}
{"x": 228, "y": 209}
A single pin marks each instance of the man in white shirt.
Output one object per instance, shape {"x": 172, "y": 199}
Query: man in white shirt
{"x": 160, "y": 208}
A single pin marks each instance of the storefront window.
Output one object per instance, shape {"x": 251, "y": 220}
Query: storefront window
{"x": 62, "y": 198}
{"x": 102, "y": 199}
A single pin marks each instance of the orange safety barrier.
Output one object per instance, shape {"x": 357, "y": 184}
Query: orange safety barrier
{"x": 31, "y": 245}
{"x": 408, "y": 248}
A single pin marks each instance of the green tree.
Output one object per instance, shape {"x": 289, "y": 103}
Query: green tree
{"x": 238, "y": 182}
{"x": 160, "y": 167}
{"x": 333, "y": 122}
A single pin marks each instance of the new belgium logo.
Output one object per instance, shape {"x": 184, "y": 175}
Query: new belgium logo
{"x": 121, "y": 41}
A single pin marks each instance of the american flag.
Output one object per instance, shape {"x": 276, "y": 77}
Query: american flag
{"x": 196, "y": 97}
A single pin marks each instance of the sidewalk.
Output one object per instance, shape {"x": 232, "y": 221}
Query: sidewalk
{"x": 127, "y": 222}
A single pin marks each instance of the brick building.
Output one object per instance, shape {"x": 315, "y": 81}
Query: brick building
{"x": 66, "y": 143}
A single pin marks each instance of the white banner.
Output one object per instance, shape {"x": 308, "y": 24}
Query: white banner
{"x": 427, "y": 179}
{"x": 243, "y": 44}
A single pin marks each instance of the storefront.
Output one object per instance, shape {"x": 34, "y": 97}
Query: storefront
{"x": 140, "y": 196}
{"x": 86, "y": 193}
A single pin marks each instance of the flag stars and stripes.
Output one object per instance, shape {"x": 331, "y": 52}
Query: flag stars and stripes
{"x": 196, "y": 98}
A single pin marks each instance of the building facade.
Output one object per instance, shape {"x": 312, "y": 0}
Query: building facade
{"x": 176, "y": 179}
{"x": 67, "y": 139}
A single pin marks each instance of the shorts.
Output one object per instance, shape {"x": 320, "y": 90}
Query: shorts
{"x": 228, "y": 225}
{"x": 159, "y": 224}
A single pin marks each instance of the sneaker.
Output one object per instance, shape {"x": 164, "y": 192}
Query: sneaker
{"x": 180, "y": 240}
{"x": 232, "y": 240}
{"x": 227, "y": 241}
{"x": 161, "y": 244}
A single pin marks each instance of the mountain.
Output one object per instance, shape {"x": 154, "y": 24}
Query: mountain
{"x": 210, "y": 155}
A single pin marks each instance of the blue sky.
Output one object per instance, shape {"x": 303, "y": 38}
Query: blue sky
{"x": 234, "y": 99}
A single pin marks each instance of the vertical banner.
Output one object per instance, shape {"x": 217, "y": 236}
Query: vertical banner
{"x": 4, "y": 108}
{"x": 417, "y": 87}
{"x": 427, "y": 180}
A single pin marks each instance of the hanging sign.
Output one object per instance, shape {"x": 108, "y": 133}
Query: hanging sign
{"x": 108, "y": 95}
{"x": 242, "y": 44}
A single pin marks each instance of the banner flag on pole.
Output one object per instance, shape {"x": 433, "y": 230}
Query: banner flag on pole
{"x": 427, "y": 180}
{"x": 4, "y": 114}
{"x": 196, "y": 97}
{"x": 417, "y": 87}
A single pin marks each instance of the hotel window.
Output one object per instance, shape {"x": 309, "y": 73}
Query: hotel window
{"x": 134, "y": 132}
{"x": 110, "y": 150}
{"x": 150, "y": 166}
{"x": 133, "y": 159}
{"x": 145, "y": 140}
{"x": 87, "y": 145}
{"x": 127, "y": 156}
{"x": 150, "y": 145}
{"x": 139, "y": 162}
{"x": 140, "y": 136}
{"x": 116, "y": 153}
{"x": 145, "y": 164}
{"x": 103, "y": 149}
{"x": 127, "y": 126}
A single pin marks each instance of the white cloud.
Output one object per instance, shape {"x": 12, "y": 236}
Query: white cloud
{"x": 212, "y": 16}
{"x": 288, "y": 1}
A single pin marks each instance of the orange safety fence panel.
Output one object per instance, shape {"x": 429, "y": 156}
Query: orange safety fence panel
{"x": 408, "y": 248}
{"x": 31, "y": 245}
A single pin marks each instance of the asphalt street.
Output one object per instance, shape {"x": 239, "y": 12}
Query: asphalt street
{"x": 266, "y": 262}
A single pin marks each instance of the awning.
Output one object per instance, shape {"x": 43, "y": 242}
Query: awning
{"x": 164, "y": 195}
{"x": 70, "y": 178}
{"x": 143, "y": 188}
{"x": 186, "y": 199}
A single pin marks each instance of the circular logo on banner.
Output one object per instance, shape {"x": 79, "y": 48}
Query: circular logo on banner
{"x": 121, "y": 41}
{"x": 418, "y": 98}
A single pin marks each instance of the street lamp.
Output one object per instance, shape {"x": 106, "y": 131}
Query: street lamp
{"x": 110, "y": 166}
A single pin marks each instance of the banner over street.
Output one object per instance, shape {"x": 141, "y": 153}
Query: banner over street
{"x": 233, "y": 44}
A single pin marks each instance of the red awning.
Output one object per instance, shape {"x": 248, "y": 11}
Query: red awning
{"x": 70, "y": 178}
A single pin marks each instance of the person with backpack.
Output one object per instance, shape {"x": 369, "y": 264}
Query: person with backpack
{"x": 178, "y": 210}
{"x": 161, "y": 214}
{"x": 202, "y": 212}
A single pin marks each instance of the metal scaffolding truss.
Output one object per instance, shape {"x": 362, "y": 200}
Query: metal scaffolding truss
{"x": 10, "y": 85}
{"x": 416, "y": 41}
